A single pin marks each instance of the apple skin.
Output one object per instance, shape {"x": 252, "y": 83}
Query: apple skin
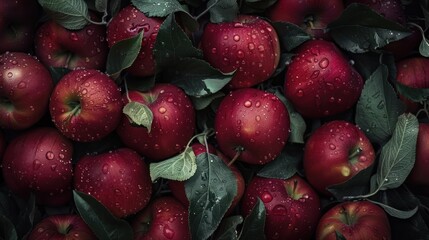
{"x": 292, "y": 206}
{"x": 320, "y": 81}
{"x": 164, "y": 218}
{"x": 62, "y": 227}
{"x": 57, "y": 46}
{"x": 253, "y": 122}
{"x": 39, "y": 161}
{"x": 129, "y": 22}
{"x": 412, "y": 72}
{"x": 334, "y": 153}
{"x": 360, "y": 220}
{"x": 311, "y": 15}
{"x": 25, "y": 87}
{"x": 173, "y": 124}
{"x": 418, "y": 176}
{"x": 248, "y": 45}
{"x": 18, "y": 22}
{"x": 86, "y": 105}
{"x": 177, "y": 188}
{"x": 118, "y": 179}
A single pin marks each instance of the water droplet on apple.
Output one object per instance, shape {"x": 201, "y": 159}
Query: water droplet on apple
{"x": 214, "y": 50}
{"x": 168, "y": 233}
{"x": 315, "y": 74}
{"x": 332, "y": 146}
{"x": 36, "y": 164}
{"x": 258, "y": 118}
{"x": 236, "y": 38}
{"x": 22, "y": 85}
{"x": 324, "y": 63}
{"x": 240, "y": 54}
{"x": 105, "y": 169}
{"x": 118, "y": 192}
{"x": 300, "y": 93}
{"x": 261, "y": 48}
{"x": 53, "y": 167}
{"x": 162, "y": 110}
{"x": 9, "y": 74}
{"x": 251, "y": 46}
{"x": 90, "y": 32}
{"x": 74, "y": 37}
{"x": 266, "y": 197}
{"x": 247, "y": 103}
{"x": 50, "y": 155}
{"x": 279, "y": 210}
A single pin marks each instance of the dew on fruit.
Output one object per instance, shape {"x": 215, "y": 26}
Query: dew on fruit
{"x": 315, "y": 74}
{"x": 105, "y": 169}
{"x": 258, "y": 118}
{"x": 300, "y": 93}
{"x": 162, "y": 110}
{"x": 279, "y": 210}
{"x": 49, "y": 155}
{"x": 248, "y": 104}
{"x": 9, "y": 74}
{"x": 266, "y": 197}
{"x": 236, "y": 38}
{"x": 168, "y": 233}
{"x": 240, "y": 54}
{"x": 53, "y": 167}
{"x": 74, "y": 37}
{"x": 22, "y": 85}
{"x": 251, "y": 46}
{"x": 324, "y": 63}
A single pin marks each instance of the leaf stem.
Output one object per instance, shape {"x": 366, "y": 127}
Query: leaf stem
{"x": 238, "y": 152}
{"x": 206, "y": 10}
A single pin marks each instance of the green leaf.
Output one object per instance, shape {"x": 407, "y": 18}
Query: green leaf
{"x": 210, "y": 192}
{"x": 285, "y": 165}
{"x": 339, "y": 236}
{"x": 123, "y": 54}
{"x": 172, "y": 44}
{"x": 228, "y": 228}
{"x": 413, "y": 94}
{"x": 254, "y": 224}
{"x": 139, "y": 114}
{"x": 358, "y": 185}
{"x": 256, "y": 6}
{"x": 397, "y": 155}
{"x": 100, "y": 220}
{"x": 222, "y": 10}
{"x": 71, "y": 14}
{"x": 424, "y": 47}
{"x": 378, "y": 107}
{"x": 290, "y": 35}
{"x": 403, "y": 214}
{"x": 114, "y": 7}
{"x": 57, "y": 73}
{"x": 27, "y": 215}
{"x": 7, "y": 229}
{"x": 196, "y": 77}
{"x": 101, "y": 5}
{"x": 202, "y": 102}
{"x": 180, "y": 167}
{"x": 158, "y": 8}
{"x": 360, "y": 29}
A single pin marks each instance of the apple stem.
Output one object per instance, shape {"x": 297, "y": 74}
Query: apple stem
{"x": 126, "y": 91}
{"x": 73, "y": 112}
{"x": 355, "y": 153}
{"x": 238, "y": 152}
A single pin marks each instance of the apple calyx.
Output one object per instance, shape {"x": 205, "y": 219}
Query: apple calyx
{"x": 292, "y": 191}
{"x": 75, "y": 110}
{"x": 354, "y": 155}
{"x": 65, "y": 229}
{"x": 346, "y": 217}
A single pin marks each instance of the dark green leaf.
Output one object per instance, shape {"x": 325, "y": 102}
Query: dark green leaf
{"x": 424, "y": 47}
{"x": 71, "y": 14}
{"x": 222, "y": 10}
{"x": 101, "y": 5}
{"x": 290, "y": 35}
{"x": 360, "y": 29}
{"x": 114, "y": 7}
{"x": 399, "y": 202}
{"x": 404, "y": 214}
{"x": 254, "y": 224}
{"x": 180, "y": 167}
{"x": 228, "y": 228}
{"x": 172, "y": 44}
{"x": 202, "y": 102}
{"x": 100, "y": 220}
{"x": 410, "y": 228}
{"x": 196, "y": 77}
{"x": 158, "y": 8}
{"x": 256, "y": 6}
{"x": 123, "y": 54}
{"x": 414, "y": 94}
{"x": 339, "y": 236}
{"x": 355, "y": 186}
{"x": 7, "y": 229}
{"x": 367, "y": 63}
{"x": 139, "y": 114}
{"x": 378, "y": 107}
{"x": 57, "y": 73}
{"x": 285, "y": 165}
{"x": 141, "y": 84}
{"x": 397, "y": 155}
{"x": 424, "y": 5}
{"x": 210, "y": 192}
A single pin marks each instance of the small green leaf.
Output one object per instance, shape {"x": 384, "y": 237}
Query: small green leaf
{"x": 158, "y": 8}
{"x": 254, "y": 224}
{"x": 228, "y": 228}
{"x": 71, "y": 14}
{"x": 7, "y": 229}
{"x": 403, "y": 214}
{"x": 196, "y": 77}
{"x": 100, "y": 220}
{"x": 139, "y": 114}
{"x": 285, "y": 165}
{"x": 222, "y": 10}
{"x": 413, "y": 94}
{"x": 424, "y": 47}
{"x": 101, "y": 5}
{"x": 180, "y": 167}
{"x": 123, "y": 54}
{"x": 360, "y": 29}
{"x": 172, "y": 44}
{"x": 290, "y": 35}
{"x": 378, "y": 107}
{"x": 202, "y": 102}
{"x": 210, "y": 192}
{"x": 397, "y": 155}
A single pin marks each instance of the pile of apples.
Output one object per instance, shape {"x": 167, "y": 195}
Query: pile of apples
{"x": 192, "y": 119}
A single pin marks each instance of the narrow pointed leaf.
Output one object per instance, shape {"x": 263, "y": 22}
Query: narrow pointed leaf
{"x": 254, "y": 224}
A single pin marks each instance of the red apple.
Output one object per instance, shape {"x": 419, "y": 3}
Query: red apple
{"x": 320, "y": 81}
{"x": 57, "y": 46}
{"x": 248, "y": 45}
{"x": 39, "y": 161}
{"x": 173, "y": 122}
{"x": 164, "y": 218}
{"x": 128, "y": 23}
{"x": 18, "y": 21}
{"x": 177, "y": 188}
{"x": 252, "y": 125}
{"x": 62, "y": 227}
{"x": 412, "y": 72}
{"x": 418, "y": 177}
{"x": 25, "y": 87}
{"x": 86, "y": 105}
{"x": 361, "y": 220}
{"x": 292, "y": 206}
{"x": 311, "y": 15}
{"x": 334, "y": 153}
{"x": 118, "y": 179}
